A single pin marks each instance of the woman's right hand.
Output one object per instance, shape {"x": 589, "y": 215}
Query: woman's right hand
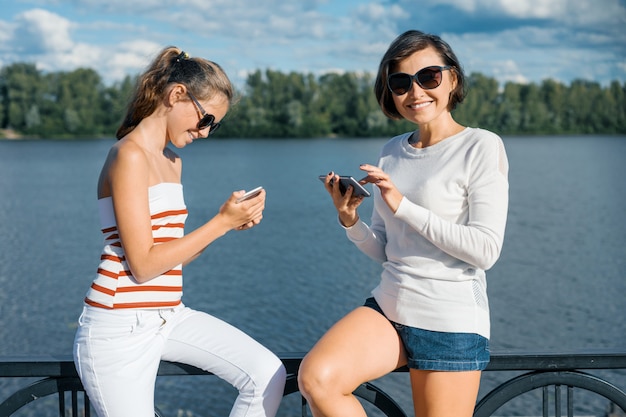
{"x": 243, "y": 215}
{"x": 345, "y": 204}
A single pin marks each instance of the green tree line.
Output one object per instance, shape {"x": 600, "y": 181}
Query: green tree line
{"x": 78, "y": 104}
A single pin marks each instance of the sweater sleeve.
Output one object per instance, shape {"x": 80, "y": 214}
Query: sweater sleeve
{"x": 479, "y": 242}
{"x": 371, "y": 240}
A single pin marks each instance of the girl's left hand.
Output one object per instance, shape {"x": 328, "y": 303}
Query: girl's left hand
{"x": 246, "y": 214}
{"x": 380, "y": 179}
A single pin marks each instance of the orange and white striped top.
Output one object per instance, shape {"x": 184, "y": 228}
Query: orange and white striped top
{"x": 114, "y": 287}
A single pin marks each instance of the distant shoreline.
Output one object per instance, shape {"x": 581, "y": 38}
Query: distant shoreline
{"x": 9, "y": 134}
{"x": 12, "y": 135}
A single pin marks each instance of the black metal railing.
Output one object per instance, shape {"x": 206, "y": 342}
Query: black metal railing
{"x": 557, "y": 376}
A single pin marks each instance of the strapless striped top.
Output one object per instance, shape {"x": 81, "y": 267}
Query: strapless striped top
{"x": 114, "y": 286}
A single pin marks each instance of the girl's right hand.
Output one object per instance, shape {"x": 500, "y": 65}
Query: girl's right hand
{"x": 243, "y": 215}
{"x": 345, "y": 204}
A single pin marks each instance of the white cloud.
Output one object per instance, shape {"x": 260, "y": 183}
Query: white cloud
{"x": 599, "y": 14}
{"x": 508, "y": 70}
{"x": 129, "y": 58}
{"x": 40, "y": 31}
{"x": 6, "y": 35}
{"x": 80, "y": 56}
{"x": 541, "y": 9}
{"x": 512, "y": 40}
{"x": 575, "y": 13}
{"x": 532, "y": 55}
{"x": 46, "y": 38}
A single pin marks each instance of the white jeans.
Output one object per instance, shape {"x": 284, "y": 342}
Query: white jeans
{"x": 117, "y": 355}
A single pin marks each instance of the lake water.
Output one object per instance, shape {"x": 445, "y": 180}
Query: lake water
{"x": 558, "y": 286}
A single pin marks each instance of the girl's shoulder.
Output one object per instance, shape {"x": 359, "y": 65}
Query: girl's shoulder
{"x": 126, "y": 159}
{"x": 127, "y": 149}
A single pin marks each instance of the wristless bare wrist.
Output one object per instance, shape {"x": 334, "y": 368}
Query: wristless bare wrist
{"x": 349, "y": 222}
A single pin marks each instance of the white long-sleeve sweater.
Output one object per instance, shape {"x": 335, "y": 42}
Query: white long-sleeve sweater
{"x": 448, "y": 229}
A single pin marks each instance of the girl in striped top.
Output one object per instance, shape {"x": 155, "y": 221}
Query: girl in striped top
{"x": 134, "y": 316}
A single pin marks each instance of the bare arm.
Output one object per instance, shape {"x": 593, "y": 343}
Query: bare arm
{"x": 128, "y": 175}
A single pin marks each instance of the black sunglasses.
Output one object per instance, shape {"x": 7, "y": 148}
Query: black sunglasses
{"x": 428, "y": 78}
{"x": 207, "y": 119}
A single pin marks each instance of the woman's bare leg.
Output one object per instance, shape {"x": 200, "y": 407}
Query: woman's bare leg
{"x": 360, "y": 347}
{"x": 437, "y": 393}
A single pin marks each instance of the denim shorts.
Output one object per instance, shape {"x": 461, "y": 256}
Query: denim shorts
{"x": 440, "y": 351}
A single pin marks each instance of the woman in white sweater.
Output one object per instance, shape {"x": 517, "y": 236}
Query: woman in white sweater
{"x": 440, "y": 208}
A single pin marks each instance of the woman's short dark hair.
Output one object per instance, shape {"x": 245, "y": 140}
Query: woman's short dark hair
{"x": 401, "y": 48}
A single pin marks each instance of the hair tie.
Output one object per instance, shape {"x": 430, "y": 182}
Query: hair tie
{"x": 183, "y": 55}
{"x": 177, "y": 70}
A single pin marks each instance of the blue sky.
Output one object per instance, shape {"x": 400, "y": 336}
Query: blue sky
{"x": 510, "y": 40}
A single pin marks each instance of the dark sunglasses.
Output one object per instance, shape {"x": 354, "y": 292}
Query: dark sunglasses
{"x": 428, "y": 78}
{"x": 207, "y": 119}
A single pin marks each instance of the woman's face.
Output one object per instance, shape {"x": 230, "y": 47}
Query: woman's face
{"x": 183, "y": 126}
{"x": 419, "y": 105}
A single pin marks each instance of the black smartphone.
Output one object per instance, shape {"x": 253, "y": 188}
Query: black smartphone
{"x": 344, "y": 181}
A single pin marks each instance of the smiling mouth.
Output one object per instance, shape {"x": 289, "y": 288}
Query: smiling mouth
{"x": 420, "y": 105}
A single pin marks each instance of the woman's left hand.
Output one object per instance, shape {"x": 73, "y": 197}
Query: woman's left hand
{"x": 380, "y": 179}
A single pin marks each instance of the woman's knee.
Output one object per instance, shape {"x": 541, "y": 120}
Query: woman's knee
{"x": 270, "y": 374}
{"x": 279, "y": 374}
{"x": 317, "y": 377}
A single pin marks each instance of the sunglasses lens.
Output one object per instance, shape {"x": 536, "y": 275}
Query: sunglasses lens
{"x": 429, "y": 78}
{"x": 206, "y": 121}
{"x": 400, "y": 83}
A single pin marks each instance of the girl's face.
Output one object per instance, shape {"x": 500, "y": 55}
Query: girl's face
{"x": 419, "y": 105}
{"x": 183, "y": 124}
